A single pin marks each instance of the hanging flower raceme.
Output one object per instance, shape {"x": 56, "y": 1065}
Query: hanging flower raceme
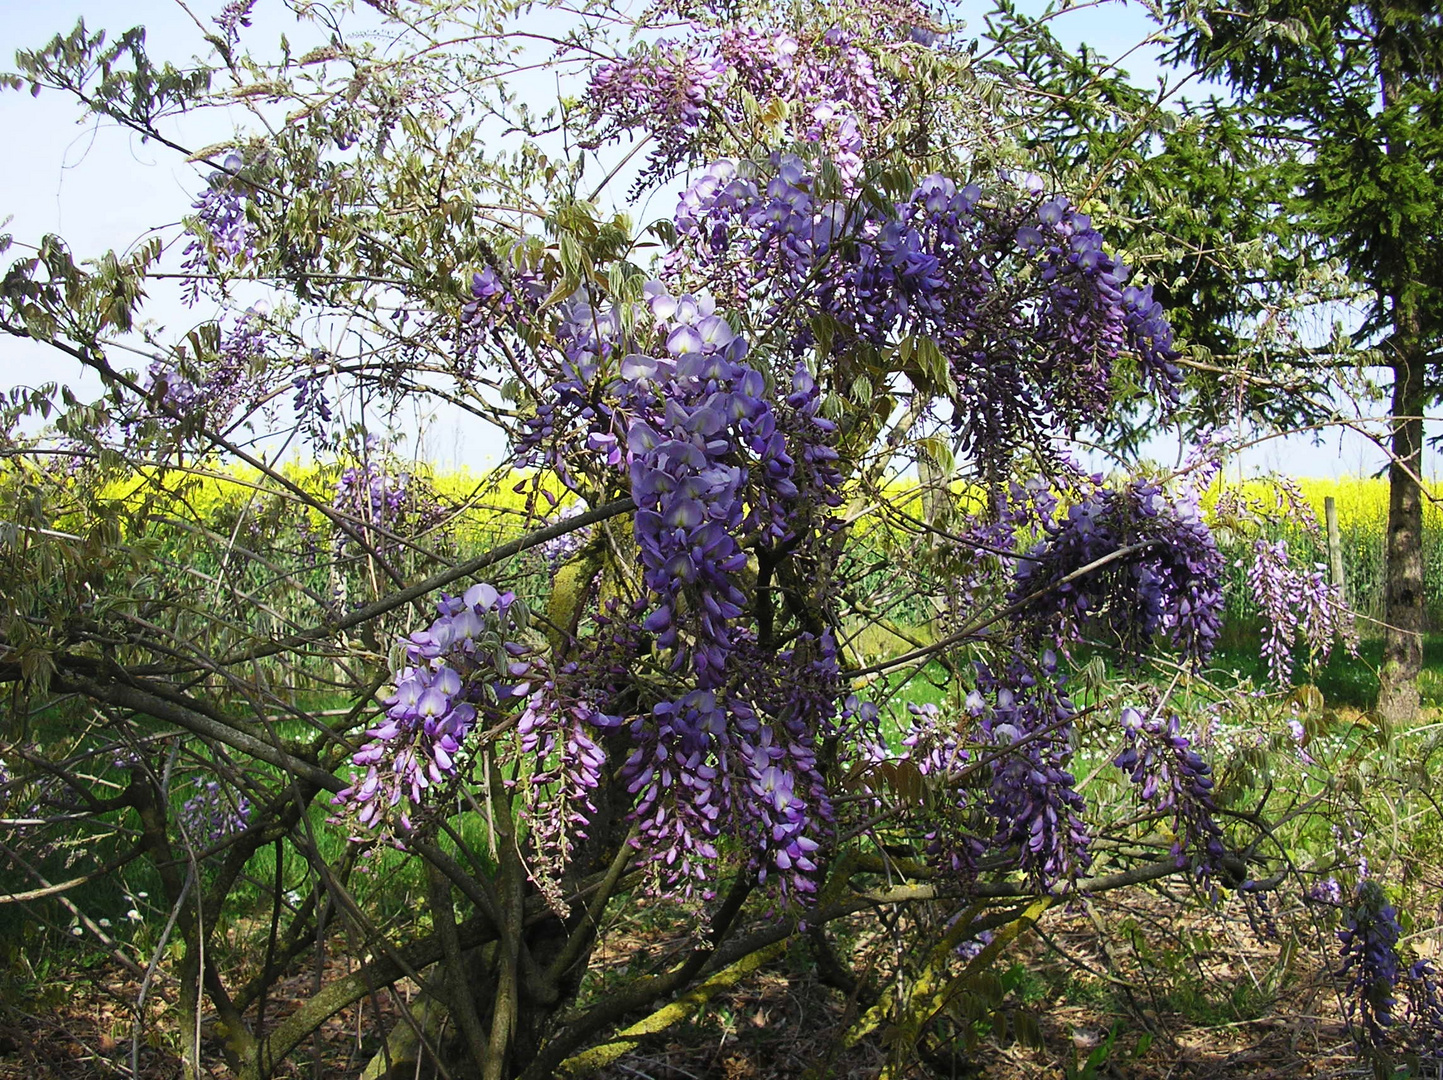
{"x": 1014, "y": 729}
{"x": 221, "y": 237}
{"x": 663, "y": 398}
{"x": 213, "y": 813}
{"x": 1376, "y": 976}
{"x": 671, "y": 88}
{"x": 379, "y": 501}
{"x": 1370, "y": 962}
{"x": 467, "y": 665}
{"x": 1025, "y": 726}
{"x": 1014, "y": 295}
{"x": 1173, "y": 779}
{"x": 1130, "y": 564}
{"x": 1298, "y": 605}
{"x": 214, "y": 387}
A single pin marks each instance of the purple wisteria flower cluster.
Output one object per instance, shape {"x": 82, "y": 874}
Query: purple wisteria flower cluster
{"x": 1298, "y": 605}
{"x": 1370, "y": 961}
{"x": 1007, "y": 306}
{"x": 1017, "y": 298}
{"x": 562, "y": 729}
{"x": 216, "y": 387}
{"x": 1375, "y": 974}
{"x": 467, "y": 666}
{"x": 381, "y": 501}
{"x": 311, "y": 405}
{"x": 1172, "y": 778}
{"x": 558, "y": 551}
{"x": 235, "y": 15}
{"x": 500, "y": 301}
{"x": 665, "y": 401}
{"x": 213, "y": 812}
{"x": 1016, "y": 729}
{"x": 1167, "y": 582}
{"x": 937, "y": 745}
{"x": 221, "y": 236}
{"x": 1026, "y": 724}
{"x": 710, "y": 460}
{"x": 680, "y": 90}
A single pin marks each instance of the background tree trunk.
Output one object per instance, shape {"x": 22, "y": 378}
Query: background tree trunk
{"x": 1404, "y": 611}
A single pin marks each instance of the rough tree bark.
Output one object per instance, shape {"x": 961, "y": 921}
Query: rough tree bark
{"x": 1404, "y": 611}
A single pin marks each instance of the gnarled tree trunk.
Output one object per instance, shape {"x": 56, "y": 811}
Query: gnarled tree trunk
{"x": 1404, "y": 611}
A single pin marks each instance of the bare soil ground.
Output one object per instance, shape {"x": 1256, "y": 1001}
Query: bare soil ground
{"x": 1122, "y": 980}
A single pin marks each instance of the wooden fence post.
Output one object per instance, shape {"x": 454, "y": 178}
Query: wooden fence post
{"x": 1335, "y": 544}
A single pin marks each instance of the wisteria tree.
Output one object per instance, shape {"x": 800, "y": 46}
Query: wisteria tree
{"x": 778, "y": 453}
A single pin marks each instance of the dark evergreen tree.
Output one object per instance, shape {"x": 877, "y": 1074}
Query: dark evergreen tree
{"x": 1356, "y": 91}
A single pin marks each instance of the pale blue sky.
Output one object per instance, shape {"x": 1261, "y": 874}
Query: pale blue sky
{"x": 101, "y": 188}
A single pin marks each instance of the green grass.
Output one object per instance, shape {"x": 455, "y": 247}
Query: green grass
{"x": 1344, "y": 679}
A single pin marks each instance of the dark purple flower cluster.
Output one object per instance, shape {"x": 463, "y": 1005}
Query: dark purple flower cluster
{"x": 934, "y": 745}
{"x": 1025, "y": 726}
{"x": 1086, "y": 306}
{"x": 1174, "y": 779}
{"x": 380, "y": 501}
{"x": 1327, "y": 891}
{"x": 662, "y": 395}
{"x": 708, "y": 457}
{"x": 1424, "y": 1014}
{"x": 1011, "y": 306}
{"x": 786, "y": 807}
{"x": 661, "y": 88}
{"x": 171, "y": 388}
{"x": 972, "y": 947}
{"x": 213, "y": 813}
{"x": 1375, "y": 973}
{"x": 1016, "y": 726}
{"x": 559, "y": 729}
{"x": 687, "y": 479}
{"x": 1168, "y": 583}
{"x": 235, "y": 14}
{"x": 1370, "y": 962}
{"x": 1297, "y": 605}
{"x": 499, "y": 299}
{"x": 248, "y": 341}
{"x": 710, "y": 460}
{"x": 986, "y": 540}
{"x": 312, "y": 407}
{"x": 938, "y": 747}
{"x": 740, "y": 761}
{"x": 557, "y": 552}
{"x": 229, "y": 381}
{"x": 464, "y": 666}
{"x": 1150, "y": 333}
{"x": 372, "y": 492}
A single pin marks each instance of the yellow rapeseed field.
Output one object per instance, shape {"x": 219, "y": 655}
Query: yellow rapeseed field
{"x": 481, "y": 507}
